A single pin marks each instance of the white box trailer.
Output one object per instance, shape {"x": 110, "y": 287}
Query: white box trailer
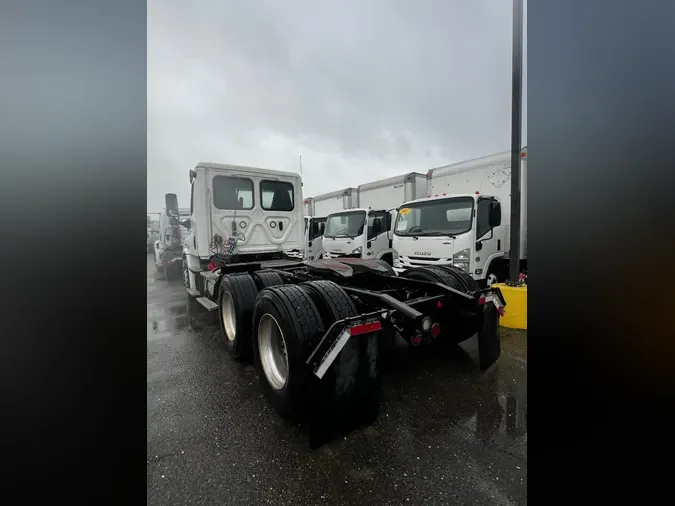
{"x": 339, "y": 200}
{"x": 391, "y": 192}
{"x": 465, "y": 219}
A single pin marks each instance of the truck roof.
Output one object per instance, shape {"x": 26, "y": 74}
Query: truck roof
{"x": 337, "y": 193}
{"x": 245, "y": 169}
{"x": 474, "y": 163}
{"x": 383, "y": 183}
{"x": 437, "y": 197}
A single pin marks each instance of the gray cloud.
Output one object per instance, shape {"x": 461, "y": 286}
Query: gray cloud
{"x": 362, "y": 90}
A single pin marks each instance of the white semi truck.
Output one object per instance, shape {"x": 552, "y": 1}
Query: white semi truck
{"x": 464, "y": 220}
{"x": 313, "y": 328}
{"x": 365, "y": 232}
{"x": 168, "y": 246}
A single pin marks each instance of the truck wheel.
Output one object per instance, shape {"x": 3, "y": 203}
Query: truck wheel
{"x": 453, "y": 325}
{"x": 265, "y": 279}
{"x": 170, "y": 272}
{"x": 356, "y": 372}
{"x": 237, "y": 295}
{"x": 286, "y": 327}
{"x": 470, "y": 284}
{"x": 332, "y": 301}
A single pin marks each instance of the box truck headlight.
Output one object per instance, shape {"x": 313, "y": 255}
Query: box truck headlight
{"x": 357, "y": 251}
{"x": 461, "y": 259}
{"x": 397, "y": 261}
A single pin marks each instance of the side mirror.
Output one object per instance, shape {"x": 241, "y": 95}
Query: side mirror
{"x": 495, "y": 215}
{"x": 171, "y": 204}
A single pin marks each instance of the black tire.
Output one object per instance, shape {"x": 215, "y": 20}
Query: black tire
{"x": 241, "y": 290}
{"x": 300, "y": 322}
{"x": 469, "y": 284}
{"x": 265, "y": 279}
{"x": 454, "y": 325}
{"x": 359, "y": 403}
{"x": 170, "y": 272}
{"x": 332, "y": 301}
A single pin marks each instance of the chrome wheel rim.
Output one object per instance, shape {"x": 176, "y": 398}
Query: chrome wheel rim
{"x": 229, "y": 319}
{"x": 273, "y": 353}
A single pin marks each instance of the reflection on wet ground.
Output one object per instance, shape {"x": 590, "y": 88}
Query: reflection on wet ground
{"x": 445, "y": 434}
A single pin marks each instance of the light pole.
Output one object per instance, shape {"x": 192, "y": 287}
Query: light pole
{"x": 516, "y": 127}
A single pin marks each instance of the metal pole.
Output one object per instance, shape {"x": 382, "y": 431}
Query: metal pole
{"x": 516, "y": 126}
{"x": 300, "y": 166}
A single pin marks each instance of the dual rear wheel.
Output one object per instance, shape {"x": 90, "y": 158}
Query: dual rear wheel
{"x": 279, "y": 325}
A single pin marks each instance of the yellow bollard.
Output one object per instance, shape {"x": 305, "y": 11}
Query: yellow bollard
{"x": 515, "y": 316}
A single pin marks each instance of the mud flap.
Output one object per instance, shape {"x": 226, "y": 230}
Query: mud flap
{"x": 485, "y": 346}
{"x": 348, "y": 393}
{"x": 489, "y": 344}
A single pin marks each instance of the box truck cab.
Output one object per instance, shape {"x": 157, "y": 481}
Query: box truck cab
{"x": 242, "y": 214}
{"x": 366, "y": 232}
{"x": 358, "y": 233}
{"x": 466, "y": 220}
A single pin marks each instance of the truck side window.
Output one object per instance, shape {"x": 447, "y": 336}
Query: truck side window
{"x": 377, "y": 224}
{"x": 277, "y": 196}
{"x": 232, "y": 193}
{"x": 483, "y": 219}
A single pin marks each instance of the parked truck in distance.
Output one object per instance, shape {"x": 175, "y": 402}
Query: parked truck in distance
{"x": 365, "y": 232}
{"x": 313, "y": 328}
{"x": 464, "y": 221}
{"x": 168, "y": 246}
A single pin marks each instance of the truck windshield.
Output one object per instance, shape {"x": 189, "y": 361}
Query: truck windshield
{"x": 348, "y": 224}
{"x": 445, "y": 217}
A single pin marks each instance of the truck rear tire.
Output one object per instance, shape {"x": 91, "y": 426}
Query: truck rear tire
{"x": 350, "y": 387}
{"x": 470, "y": 284}
{"x": 332, "y": 301}
{"x": 236, "y": 298}
{"x": 454, "y": 325}
{"x": 286, "y": 327}
{"x": 265, "y": 279}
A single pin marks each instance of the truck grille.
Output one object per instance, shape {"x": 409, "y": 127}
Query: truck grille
{"x": 341, "y": 255}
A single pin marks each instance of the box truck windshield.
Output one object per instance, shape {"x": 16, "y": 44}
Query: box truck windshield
{"x": 449, "y": 217}
{"x": 349, "y": 224}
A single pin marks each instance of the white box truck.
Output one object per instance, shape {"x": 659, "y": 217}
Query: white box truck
{"x": 316, "y": 209}
{"x": 465, "y": 220}
{"x": 365, "y": 232}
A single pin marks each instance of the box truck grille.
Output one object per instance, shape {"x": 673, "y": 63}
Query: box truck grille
{"x": 425, "y": 259}
{"x": 341, "y": 255}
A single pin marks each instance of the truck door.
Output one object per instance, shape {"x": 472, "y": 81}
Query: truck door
{"x": 488, "y": 239}
{"x": 378, "y": 233}
{"x": 314, "y": 236}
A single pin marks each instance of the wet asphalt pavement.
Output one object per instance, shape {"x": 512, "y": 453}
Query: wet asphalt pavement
{"x": 445, "y": 435}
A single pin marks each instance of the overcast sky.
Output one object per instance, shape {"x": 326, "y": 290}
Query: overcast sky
{"x": 363, "y": 90}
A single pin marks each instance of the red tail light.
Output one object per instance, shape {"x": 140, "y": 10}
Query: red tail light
{"x": 365, "y": 328}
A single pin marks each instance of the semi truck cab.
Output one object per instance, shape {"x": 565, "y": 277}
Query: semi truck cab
{"x": 461, "y": 230}
{"x": 241, "y": 214}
